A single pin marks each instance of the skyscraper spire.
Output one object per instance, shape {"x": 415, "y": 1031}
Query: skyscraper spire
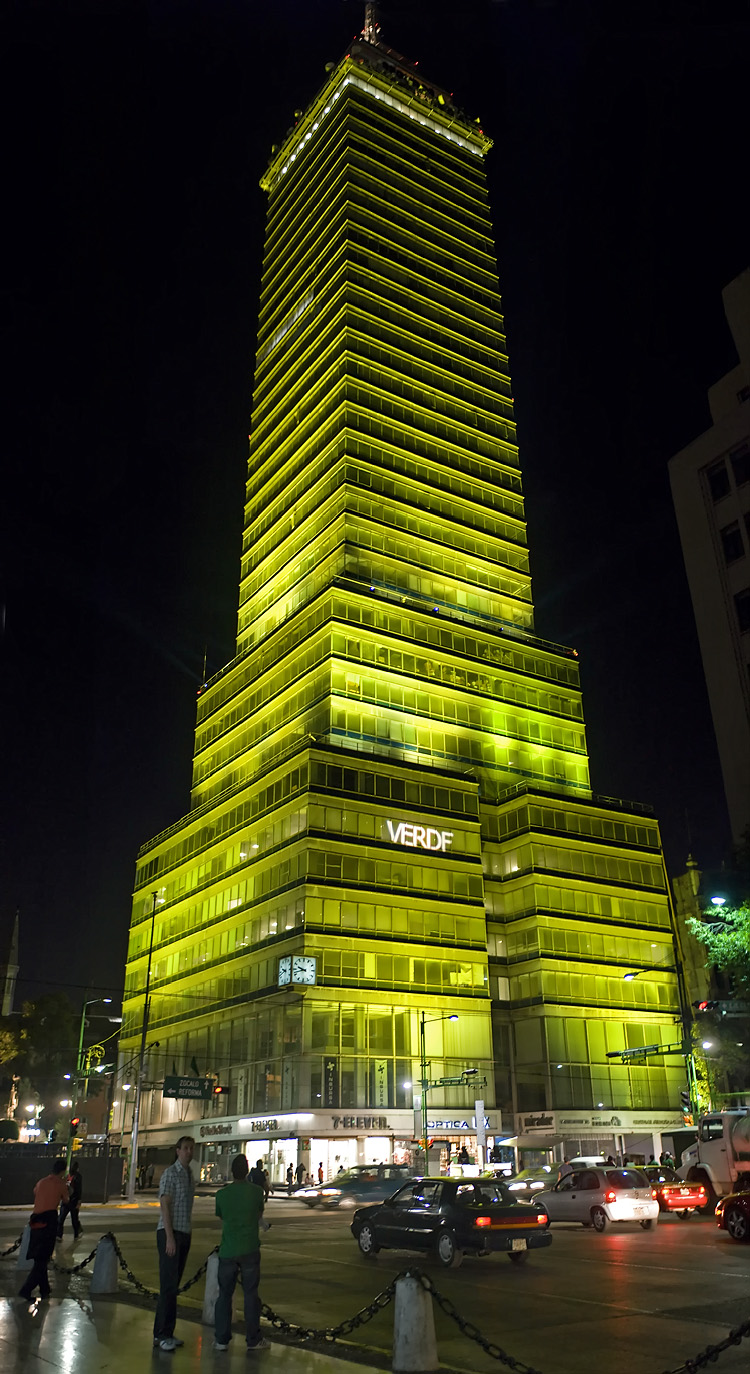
{"x": 372, "y": 28}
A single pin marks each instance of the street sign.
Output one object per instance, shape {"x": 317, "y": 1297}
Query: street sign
{"x": 196, "y": 1088}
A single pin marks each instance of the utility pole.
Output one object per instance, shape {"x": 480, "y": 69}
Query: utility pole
{"x": 141, "y": 1065}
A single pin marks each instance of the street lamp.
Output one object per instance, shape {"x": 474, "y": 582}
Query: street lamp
{"x": 94, "y": 1002}
{"x": 686, "y": 1019}
{"x": 425, "y": 1084}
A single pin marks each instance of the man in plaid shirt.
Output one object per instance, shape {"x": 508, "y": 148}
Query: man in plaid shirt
{"x": 176, "y": 1193}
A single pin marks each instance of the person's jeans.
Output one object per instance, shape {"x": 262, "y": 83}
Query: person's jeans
{"x": 171, "y": 1269}
{"x": 69, "y": 1209}
{"x": 247, "y": 1268}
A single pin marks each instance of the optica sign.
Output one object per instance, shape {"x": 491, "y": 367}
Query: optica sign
{"x": 419, "y": 836}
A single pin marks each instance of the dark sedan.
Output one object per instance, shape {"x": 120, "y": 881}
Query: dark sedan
{"x": 733, "y": 1214}
{"x": 450, "y": 1216}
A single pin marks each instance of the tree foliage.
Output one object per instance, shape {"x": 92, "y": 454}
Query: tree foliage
{"x": 727, "y": 941}
{"x": 10, "y": 1043}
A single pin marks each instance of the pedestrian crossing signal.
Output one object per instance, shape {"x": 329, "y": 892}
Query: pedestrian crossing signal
{"x": 219, "y": 1088}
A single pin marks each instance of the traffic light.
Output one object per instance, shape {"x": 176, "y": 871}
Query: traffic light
{"x": 75, "y": 1122}
{"x": 705, "y": 1006}
{"x": 220, "y": 1088}
{"x": 685, "y": 1100}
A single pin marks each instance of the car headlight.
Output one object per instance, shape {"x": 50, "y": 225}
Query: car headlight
{"x": 331, "y": 1192}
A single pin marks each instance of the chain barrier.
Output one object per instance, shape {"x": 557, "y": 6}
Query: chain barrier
{"x": 712, "y": 1352}
{"x": 468, "y": 1329}
{"x": 329, "y": 1334}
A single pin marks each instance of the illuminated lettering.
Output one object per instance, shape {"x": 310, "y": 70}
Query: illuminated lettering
{"x": 419, "y": 836}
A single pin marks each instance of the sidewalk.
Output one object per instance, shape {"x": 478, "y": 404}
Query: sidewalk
{"x": 78, "y": 1335}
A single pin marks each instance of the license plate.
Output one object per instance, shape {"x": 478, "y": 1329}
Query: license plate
{"x": 518, "y": 1244}
{"x": 639, "y": 1210}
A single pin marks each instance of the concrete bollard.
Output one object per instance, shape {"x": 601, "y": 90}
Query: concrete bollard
{"x": 104, "y": 1277}
{"x": 23, "y": 1263}
{"x": 414, "y": 1344}
{"x": 211, "y": 1292}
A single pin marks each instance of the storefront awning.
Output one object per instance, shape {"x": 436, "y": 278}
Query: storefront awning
{"x": 531, "y": 1142}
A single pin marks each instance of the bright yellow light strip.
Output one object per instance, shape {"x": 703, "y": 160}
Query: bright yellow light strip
{"x": 387, "y": 99}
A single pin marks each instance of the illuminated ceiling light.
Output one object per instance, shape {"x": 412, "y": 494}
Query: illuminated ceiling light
{"x": 718, "y": 901}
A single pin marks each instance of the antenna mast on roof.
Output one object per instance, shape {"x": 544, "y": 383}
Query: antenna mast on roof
{"x": 372, "y": 28}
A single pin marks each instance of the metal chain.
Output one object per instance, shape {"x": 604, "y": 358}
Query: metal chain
{"x": 61, "y": 1269}
{"x": 332, "y": 1333}
{"x": 329, "y": 1334}
{"x": 712, "y": 1352}
{"x": 468, "y": 1328}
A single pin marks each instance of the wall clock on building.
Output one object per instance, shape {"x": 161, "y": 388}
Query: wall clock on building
{"x": 303, "y": 968}
{"x": 285, "y": 970}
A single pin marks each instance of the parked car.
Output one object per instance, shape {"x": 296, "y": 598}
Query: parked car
{"x": 672, "y": 1194}
{"x": 733, "y": 1215}
{"x": 527, "y": 1182}
{"x": 450, "y": 1216}
{"x": 361, "y": 1183}
{"x": 597, "y": 1196}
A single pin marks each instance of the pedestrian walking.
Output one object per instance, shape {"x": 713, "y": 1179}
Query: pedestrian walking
{"x": 240, "y": 1206}
{"x": 173, "y": 1233}
{"x": 70, "y": 1208}
{"x": 149, "y": 1174}
{"x": 300, "y": 1173}
{"x": 49, "y": 1192}
{"x": 290, "y": 1180}
{"x": 258, "y": 1175}
{"x": 266, "y": 1185}
{"x": 565, "y": 1168}
{"x": 320, "y": 1172}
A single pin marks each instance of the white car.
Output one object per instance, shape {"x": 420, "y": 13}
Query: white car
{"x": 597, "y": 1196}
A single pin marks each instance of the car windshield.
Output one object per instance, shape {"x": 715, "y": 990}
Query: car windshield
{"x": 482, "y": 1194}
{"x": 662, "y": 1173}
{"x": 626, "y": 1178}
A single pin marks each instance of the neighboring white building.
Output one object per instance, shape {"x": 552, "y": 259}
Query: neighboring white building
{"x": 711, "y": 492}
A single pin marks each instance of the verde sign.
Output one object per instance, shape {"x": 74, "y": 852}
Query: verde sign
{"x": 419, "y": 836}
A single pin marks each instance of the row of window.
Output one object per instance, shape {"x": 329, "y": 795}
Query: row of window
{"x": 571, "y": 859}
{"x": 245, "y": 932}
{"x": 586, "y": 989}
{"x": 403, "y": 971}
{"x": 387, "y": 787}
{"x": 290, "y": 782}
{"x": 511, "y": 902}
{"x": 454, "y": 708}
{"x": 428, "y": 922}
{"x": 738, "y": 463}
{"x": 587, "y": 943}
{"x": 522, "y": 818}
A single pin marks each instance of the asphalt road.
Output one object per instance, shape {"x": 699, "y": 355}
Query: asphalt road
{"x": 625, "y": 1302}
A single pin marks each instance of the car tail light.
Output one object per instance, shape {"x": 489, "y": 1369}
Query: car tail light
{"x": 541, "y": 1218}
{"x": 611, "y": 1196}
{"x": 702, "y": 1191}
{"x": 483, "y": 1221}
{"x": 653, "y": 1192}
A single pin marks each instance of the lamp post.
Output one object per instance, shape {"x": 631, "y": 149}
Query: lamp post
{"x": 424, "y": 1081}
{"x": 686, "y": 1021}
{"x": 133, "y": 1171}
{"x": 94, "y": 1002}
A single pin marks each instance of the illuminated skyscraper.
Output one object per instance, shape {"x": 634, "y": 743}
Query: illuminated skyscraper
{"x": 391, "y": 812}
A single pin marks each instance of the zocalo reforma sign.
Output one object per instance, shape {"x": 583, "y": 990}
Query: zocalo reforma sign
{"x": 419, "y": 836}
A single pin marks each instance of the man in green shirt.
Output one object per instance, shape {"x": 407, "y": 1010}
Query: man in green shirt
{"x": 240, "y": 1206}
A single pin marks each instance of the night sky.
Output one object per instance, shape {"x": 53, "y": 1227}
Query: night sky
{"x": 133, "y": 224}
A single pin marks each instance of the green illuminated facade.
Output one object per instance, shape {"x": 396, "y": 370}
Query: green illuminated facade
{"x": 390, "y": 779}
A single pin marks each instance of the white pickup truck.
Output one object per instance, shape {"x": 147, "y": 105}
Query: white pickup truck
{"x": 720, "y": 1157}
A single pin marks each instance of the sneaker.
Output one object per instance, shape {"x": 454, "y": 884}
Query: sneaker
{"x": 169, "y": 1343}
{"x": 261, "y": 1344}
{"x": 219, "y": 1345}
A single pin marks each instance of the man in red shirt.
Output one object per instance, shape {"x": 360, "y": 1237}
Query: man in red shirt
{"x": 49, "y": 1192}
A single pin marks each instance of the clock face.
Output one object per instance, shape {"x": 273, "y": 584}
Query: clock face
{"x": 303, "y": 968}
{"x": 285, "y": 970}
